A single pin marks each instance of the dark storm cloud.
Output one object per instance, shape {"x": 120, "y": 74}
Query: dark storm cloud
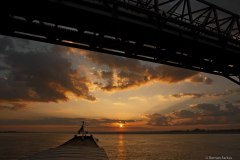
{"x": 159, "y": 120}
{"x": 207, "y": 108}
{"x": 199, "y": 114}
{"x": 131, "y": 73}
{"x": 39, "y": 76}
{"x": 184, "y": 114}
{"x": 238, "y": 101}
{"x": 5, "y": 44}
{"x": 48, "y": 75}
{"x": 63, "y": 121}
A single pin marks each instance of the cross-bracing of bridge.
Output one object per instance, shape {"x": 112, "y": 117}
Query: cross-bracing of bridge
{"x": 191, "y": 34}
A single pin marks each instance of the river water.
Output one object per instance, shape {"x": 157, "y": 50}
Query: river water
{"x": 131, "y": 146}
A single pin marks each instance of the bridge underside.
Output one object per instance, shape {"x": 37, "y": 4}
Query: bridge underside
{"x": 120, "y": 29}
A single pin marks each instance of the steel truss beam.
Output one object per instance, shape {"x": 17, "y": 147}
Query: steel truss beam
{"x": 195, "y": 12}
{"x": 171, "y": 32}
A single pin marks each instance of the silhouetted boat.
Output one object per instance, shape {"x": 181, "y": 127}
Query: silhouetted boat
{"x": 80, "y": 147}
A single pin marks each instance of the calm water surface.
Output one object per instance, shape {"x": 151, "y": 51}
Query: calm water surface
{"x": 131, "y": 146}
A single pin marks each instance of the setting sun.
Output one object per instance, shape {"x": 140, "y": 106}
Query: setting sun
{"x": 121, "y": 125}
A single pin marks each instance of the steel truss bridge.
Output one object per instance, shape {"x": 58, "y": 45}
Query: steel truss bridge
{"x": 191, "y": 34}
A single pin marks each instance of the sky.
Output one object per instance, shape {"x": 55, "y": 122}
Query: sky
{"x": 51, "y": 88}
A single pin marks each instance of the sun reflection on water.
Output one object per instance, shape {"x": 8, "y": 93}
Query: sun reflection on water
{"x": 121, "y": 155}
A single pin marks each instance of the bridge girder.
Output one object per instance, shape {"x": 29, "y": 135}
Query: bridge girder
{"x": 199, "y": 39}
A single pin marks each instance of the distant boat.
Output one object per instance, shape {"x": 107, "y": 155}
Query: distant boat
{"x": 80, "y": 147}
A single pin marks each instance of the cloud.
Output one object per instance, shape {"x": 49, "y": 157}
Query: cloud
{"x": 185, "y": 114}
{"x": 52, "y": 74}
{"x": 40, "y": 76}
{"x": 119, "y": 104}
{"x": 137, "y": 98}
{"x": 199, "y": 79}
{"x": 204, "y": 95}
{"x": 238, "y": 101}
{"x": 12, "y": 106}
{"x": 170, "y": 74}
{"x": 6, "y": 44}
{"x": 192, "y": 95}
{"x": 158, "y": 120}
{"x": 207, "y": 108}
{"x": 122, "y": 73}
{"x": 198, "y": 114}
{"x": 64, "y": 121}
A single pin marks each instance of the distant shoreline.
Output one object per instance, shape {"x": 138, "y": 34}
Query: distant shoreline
{"x": 195, "y": 131}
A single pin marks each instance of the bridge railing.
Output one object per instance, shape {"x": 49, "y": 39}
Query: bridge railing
{"x": 194, "y": 12}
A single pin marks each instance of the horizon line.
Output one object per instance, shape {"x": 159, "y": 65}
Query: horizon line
{"x": 138, "y": 132}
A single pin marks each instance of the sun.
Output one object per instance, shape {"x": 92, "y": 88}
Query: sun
{"x": 121, "y": 125}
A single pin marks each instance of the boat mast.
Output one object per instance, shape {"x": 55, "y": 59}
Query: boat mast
{"x": 82, "y": 130}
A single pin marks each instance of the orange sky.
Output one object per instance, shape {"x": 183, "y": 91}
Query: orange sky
{"x": 53, "y": 88}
